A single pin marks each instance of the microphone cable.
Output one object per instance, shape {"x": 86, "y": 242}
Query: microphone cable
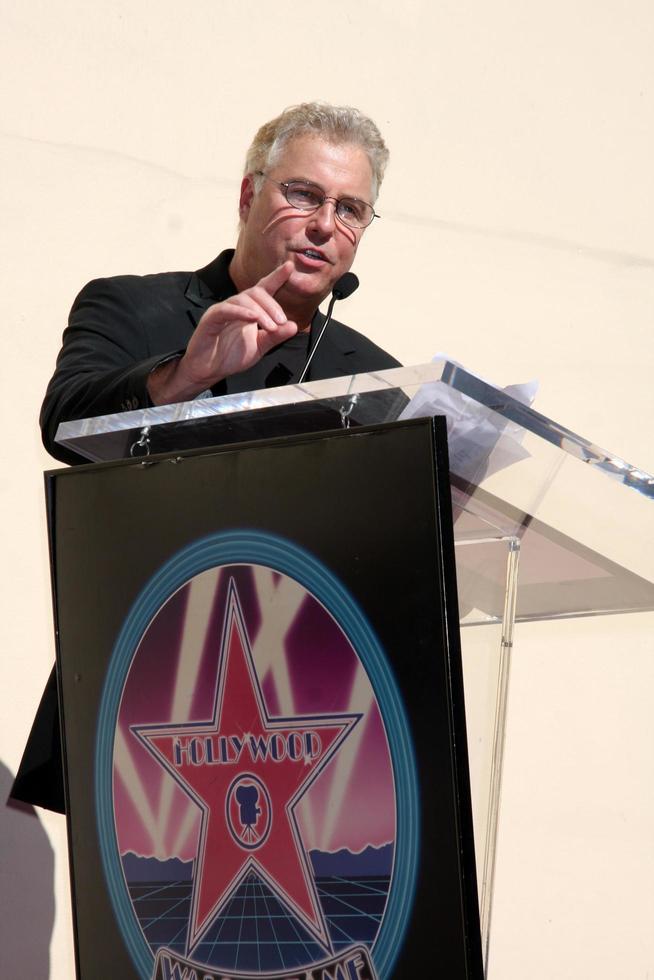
{"x": 343, "y": 288}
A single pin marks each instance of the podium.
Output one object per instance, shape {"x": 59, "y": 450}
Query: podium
{"x": 527, "y": 543}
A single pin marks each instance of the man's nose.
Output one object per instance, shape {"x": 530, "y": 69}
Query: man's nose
{"x": 324, "y": 217}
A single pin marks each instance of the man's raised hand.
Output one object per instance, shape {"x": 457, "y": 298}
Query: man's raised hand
{"x": 230, "y": 337}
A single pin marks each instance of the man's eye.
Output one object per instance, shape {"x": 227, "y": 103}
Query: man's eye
{"x": 303, "y": 197}
{"x": 350, "y": 209}
{"x": 303, "y": 194}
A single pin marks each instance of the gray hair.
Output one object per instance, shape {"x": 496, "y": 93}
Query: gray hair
{"x": 336, "y": 124}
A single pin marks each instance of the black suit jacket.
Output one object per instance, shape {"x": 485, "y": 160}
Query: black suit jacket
{"x": 119, "y": 329}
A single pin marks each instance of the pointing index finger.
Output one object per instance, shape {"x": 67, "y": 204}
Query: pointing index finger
{"x": 276, "y": 279}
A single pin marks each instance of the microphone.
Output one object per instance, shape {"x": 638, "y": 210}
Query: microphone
{"x": 343, "y": 288}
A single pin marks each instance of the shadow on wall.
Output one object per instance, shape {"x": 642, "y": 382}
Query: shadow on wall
{"x": 27, "y": 904}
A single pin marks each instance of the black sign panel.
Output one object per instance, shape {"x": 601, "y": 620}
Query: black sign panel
{"x": 262, "y": 701}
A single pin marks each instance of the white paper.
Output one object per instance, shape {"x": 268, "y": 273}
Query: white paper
{"x": 480, "y": 441}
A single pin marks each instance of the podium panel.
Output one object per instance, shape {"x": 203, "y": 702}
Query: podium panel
{"x": 262, "y": 702}
{"x": 544, "y": 519}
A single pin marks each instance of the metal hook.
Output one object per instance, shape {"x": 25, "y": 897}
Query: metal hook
{"x": 346, "y": 412}
{"x": 142, "y": 446}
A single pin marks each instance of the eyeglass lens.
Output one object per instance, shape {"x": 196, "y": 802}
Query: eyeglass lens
{"x": 307, "y": 197}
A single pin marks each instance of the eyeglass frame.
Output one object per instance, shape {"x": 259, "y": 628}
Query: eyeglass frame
{"x": 285, "y": 184}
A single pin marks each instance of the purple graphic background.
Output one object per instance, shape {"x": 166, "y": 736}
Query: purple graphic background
{"x": 306, "y": 666}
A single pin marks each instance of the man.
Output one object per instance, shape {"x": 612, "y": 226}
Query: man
{"x": 249, "y": 319}
{"x": 246, "y": 321}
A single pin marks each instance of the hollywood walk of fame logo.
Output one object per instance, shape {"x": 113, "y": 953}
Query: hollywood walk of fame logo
{"x": 246, "y": 772}
{"x": 255, "y": 792}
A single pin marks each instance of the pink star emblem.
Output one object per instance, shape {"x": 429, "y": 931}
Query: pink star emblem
{"x": 246, "y": 772}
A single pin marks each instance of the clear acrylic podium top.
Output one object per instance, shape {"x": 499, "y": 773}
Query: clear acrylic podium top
{"x": 575, "y": 509}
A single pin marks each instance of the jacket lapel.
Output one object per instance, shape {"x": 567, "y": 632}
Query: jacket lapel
{"x": 334, "y": 354}
{"x": 209, "y": 285}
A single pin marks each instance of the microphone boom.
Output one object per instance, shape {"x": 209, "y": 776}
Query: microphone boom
{"x": 343, "y": 288}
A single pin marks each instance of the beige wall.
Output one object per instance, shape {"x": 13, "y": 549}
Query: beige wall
{"x": 517, "y": 235}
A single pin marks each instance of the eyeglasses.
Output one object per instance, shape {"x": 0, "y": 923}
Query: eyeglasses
{"x": 305, "y": 196}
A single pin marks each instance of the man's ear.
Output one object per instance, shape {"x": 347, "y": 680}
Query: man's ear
{"x": 245, "y": 200}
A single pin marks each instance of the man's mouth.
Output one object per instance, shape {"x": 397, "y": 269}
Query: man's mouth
{"x": 314, "y": 254}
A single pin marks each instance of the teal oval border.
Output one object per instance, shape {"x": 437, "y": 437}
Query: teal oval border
{"x": 257, "y": 547}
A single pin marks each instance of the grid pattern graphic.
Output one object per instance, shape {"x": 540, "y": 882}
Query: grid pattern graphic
{"x": 255, "y": 930}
